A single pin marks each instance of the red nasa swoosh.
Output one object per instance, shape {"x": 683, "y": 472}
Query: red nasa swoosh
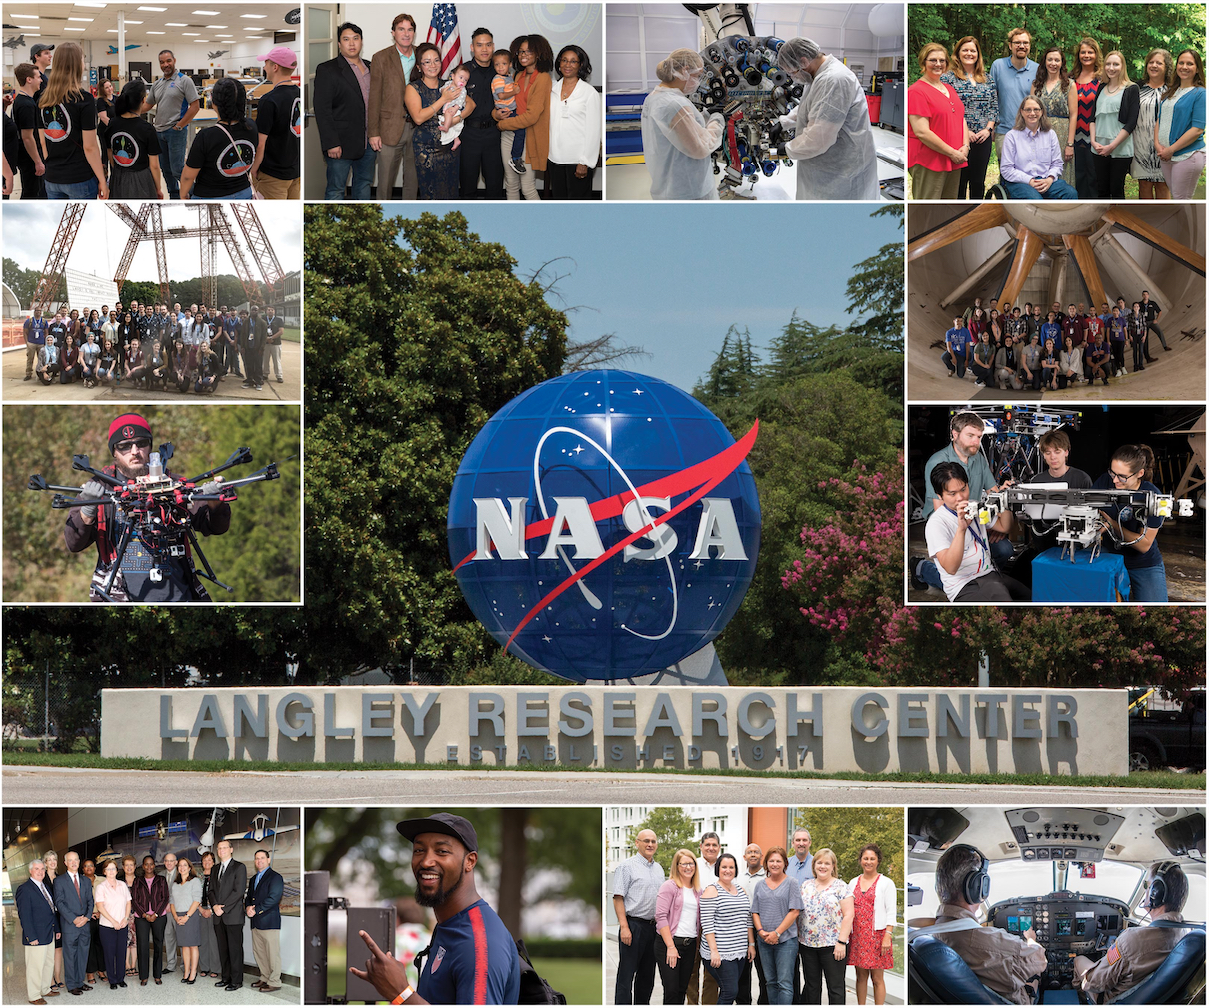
{"x": 704, "y": 475}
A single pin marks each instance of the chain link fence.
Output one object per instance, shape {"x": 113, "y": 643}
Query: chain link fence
{"x": 43, "y": 713}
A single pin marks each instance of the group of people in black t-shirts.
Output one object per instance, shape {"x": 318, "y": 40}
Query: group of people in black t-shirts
{"x": 66, "y": 143}
{"x": 1054, "y": 350}
{"x": 154, "y": 346}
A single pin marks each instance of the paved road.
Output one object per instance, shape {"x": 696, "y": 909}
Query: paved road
{"x": 33, "y": 785}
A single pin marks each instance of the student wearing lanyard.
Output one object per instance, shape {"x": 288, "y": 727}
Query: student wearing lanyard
{"x": 959, "y": 546}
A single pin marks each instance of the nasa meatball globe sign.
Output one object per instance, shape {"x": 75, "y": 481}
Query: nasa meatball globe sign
{"x": 604, "y": 524}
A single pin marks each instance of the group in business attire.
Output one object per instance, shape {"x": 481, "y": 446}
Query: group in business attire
{"x": 789, "y": 917}
{"x": 433, "y": 127}
{"x": 196, "y": 919}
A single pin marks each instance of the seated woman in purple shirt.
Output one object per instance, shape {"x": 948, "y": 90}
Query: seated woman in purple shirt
{"x": 1030, "y": 164}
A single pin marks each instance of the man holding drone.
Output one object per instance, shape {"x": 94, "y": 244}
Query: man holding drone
{"x": 143, "y": 577}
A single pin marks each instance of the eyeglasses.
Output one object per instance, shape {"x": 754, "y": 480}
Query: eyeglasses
{"x": 1118, "y": 478}
{"x": 125, "y": 446}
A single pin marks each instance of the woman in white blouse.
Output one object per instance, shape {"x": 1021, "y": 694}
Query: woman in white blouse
{"x": 678, "y": 921}
{"x": 575, "y": 127}
{"x": 875, "y": 907}
{"x": 824, "y": 929}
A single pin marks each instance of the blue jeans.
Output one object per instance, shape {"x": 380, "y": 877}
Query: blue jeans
{"x": 363, "y": 175}
{"x": 778, "y": 963}
{"x": 1159, "y": 333}
{"x": 87, "y": 189}
{"x": 245, "y": 193}
{"x": 1148, "y": 584}
{"x": 172, "y": 158}
{"x": 1057, "y": 190}
{"x": 958, "y": 365}
{"x": 1001, "y": 552}
{"x": 727, "y": 976}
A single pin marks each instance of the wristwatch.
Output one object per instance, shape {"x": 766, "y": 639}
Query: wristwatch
{"x": 403, "y": 995}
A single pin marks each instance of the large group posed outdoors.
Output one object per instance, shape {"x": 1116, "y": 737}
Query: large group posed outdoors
{"x": 789, "y": 917}
{"x": 84, "y": 924}
{"x": 154, "y": 347}
{"x": 1006, "y": 347}
{"x": 1062, "y": 125}
{"x": 67, "y": 142}
{"x": 435, "y": 126}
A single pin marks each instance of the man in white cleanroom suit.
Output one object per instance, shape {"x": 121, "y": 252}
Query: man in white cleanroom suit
{"x": 834, "y": 149}
{"x": 677, "y": 139}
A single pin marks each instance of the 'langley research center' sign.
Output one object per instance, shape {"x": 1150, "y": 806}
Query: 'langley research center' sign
{"x": 824, "y": 728}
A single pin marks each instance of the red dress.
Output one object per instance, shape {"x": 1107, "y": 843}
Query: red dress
{"x": 865, "y": 947}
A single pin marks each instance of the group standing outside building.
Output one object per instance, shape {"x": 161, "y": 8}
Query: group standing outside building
{"x": 788, "y": 917}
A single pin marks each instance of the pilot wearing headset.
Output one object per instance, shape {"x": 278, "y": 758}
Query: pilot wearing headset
{"x": 1002, "y": 961}
{"x": 1138, "y": 952}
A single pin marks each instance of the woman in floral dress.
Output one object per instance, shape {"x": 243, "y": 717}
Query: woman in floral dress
{"x": 875, "y": 906}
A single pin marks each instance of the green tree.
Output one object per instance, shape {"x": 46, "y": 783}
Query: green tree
{"x": 22, "y": 282}
{"x": 674, "y": 830}
{"x": 417, "y": 331}
{"x": 847, "y": 829}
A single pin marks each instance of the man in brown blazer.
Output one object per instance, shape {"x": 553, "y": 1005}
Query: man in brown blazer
{"x": 389, "y": 125}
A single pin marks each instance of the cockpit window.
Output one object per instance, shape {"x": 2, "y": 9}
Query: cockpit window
{"x": 1113, "y": 879}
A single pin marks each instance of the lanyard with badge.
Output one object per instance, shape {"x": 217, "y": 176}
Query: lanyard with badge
{"x": 980, "y": 541}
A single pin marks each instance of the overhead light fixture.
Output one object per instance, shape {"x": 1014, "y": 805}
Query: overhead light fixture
{"x": 75, "y": 29}
{"x": 156, "y": 33}
{"x": 177, "y": 24}
{"x": 211, "y": 12}
{"x": 112, "y": 31}
{"x": 223, "y": 35}
{"x": 254, "y": 15}
{"x": 151, "y": 8}
{"x": 128, "y": 21}
{"x": 79, "y": 19}
{"x": 24, "y": 17}
{"x": 190, "y": 33}
{"x": 216, "y": 26}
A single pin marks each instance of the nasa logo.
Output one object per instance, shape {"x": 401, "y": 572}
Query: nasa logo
{"x": 604, "y": 524}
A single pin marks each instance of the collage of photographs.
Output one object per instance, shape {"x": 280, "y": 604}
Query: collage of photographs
{"x": 416, "y": 592}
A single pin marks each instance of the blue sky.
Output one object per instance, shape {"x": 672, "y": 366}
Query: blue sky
{"x": 672, "y": 278}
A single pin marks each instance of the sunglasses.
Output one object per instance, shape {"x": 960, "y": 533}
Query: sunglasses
{"x": 125, "y": 446}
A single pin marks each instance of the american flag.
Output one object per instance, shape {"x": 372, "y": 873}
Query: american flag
{"x": 443, "y": 33}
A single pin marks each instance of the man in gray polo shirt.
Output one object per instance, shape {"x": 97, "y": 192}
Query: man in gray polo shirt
{"x": 636, "y": 883}
{"x": 176, "y": 101}
{"x": 965, "y": 448}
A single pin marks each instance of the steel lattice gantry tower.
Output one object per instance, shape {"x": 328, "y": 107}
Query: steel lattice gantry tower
{"x": 214, "y": 226}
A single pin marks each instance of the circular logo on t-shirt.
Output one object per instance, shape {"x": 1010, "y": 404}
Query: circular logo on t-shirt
{"x": 125, "y": 149}
{"x": 56, "y": 122}
{"x": 296, "y": 118}
{"x": 236, "y": 158}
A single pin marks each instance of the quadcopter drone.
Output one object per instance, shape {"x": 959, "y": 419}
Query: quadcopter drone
{"x": 155, "y": 508}
{"x": 1075, "y": 513}
{"x": 743, "y": 83}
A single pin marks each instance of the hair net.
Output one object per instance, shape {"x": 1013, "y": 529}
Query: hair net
{"x": 680, "y": 65}
{"x": 795, "y": 53}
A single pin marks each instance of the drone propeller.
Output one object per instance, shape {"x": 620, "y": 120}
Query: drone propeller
{"x": 241, "y": 456}
{"x": 166, "y": 451}
{"x": 38, "y": 482}
{"x": 81, "y": 462}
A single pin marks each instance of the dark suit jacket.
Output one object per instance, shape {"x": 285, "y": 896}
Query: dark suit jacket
{"x": 266, "y": 898}
{"x": 154, "y": 901}
{"x": 253, "y": 332}
{"x": 339, "y": 108}
{"x": 70, "y": 905}
{"x": 388, "y": 117}
{"x": 38, "y": 921}
{"x": 228, "y": 892}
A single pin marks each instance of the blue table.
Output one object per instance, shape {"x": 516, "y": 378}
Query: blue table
{"x": 1056, "y": 579}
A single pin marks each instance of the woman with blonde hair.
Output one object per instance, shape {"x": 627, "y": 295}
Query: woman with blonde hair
{"x": 1146, "y": 167}
{"x": 974, "y": 86}
{"x": 938, "y": 137}
{"x": 678, "y": 923}
{"x": 51, "y": 860}
{"x": 1088, "y": 71}
{"x": 824, "y": 930}
{"x": 678, "y": 139}
{"x": 74, "y": 168}
{"x": 1117, "y": 105}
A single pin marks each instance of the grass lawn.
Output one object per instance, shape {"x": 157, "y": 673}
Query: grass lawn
{"x": 1131, "y": 185}
{"x": 1148, "y": 779}
{"x": 291, "y": 335}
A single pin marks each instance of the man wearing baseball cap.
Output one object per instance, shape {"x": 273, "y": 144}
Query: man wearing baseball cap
{"x": 279, "y": 121}
{"x": 142, "y": 577}
{"x": 41, "y": 54}
{"x": 472, "y": 958}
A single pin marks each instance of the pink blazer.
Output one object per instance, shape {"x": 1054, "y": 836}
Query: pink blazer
{"x": 669, "y": 901}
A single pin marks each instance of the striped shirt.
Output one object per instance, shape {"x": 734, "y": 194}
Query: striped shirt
{"x": 637, "y": 882}
{"x": 726, "y": 916}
